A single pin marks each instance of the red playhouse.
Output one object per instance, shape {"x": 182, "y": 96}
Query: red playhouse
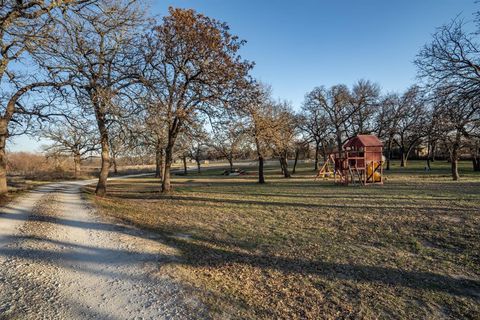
{"x": 361, "y": 161}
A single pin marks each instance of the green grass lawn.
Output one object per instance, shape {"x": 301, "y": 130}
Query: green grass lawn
{"x": 295, "y": 248}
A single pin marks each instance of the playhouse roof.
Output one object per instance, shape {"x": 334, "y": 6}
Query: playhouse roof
{"x": 364, "y": 140}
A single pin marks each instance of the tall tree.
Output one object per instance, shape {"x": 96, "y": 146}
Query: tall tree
{"x": 192, "y": 64}
{"x": 256, "y": 105}
{"x": 283, "y": 128}
{"x": 411, "y": 123}
{"x": 155, "y": 131}
{"x": 94, "y": 50}
{"x": 450, "y": 67}
{"x": 314, "y": 123}
{"x": 433, "y": 132}
{"x": 459, "y": 118}
{"x": 24, "y": 26}
{"x": 387, "y": 120}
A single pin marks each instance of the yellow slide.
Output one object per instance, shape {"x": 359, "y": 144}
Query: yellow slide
{"x": 377, "y": 177}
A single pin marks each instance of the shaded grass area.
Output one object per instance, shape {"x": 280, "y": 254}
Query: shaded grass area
{"x": 295, "y": 248}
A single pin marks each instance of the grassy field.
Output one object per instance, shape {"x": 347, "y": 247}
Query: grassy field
{"x": 295, "y": 248}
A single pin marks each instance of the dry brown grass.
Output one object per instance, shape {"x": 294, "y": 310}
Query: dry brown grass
{"x": 295, "y": 248}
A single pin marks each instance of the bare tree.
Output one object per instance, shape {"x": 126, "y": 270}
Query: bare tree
{"x": 301, "y": 145}
{"x": 226, "y": 138}
{"x": 364, "y": 101}
{"x": 94, "y": 49}
{"x": 314, "y": 124}
{"x": 192, "y": 64}
{"x": 71, "y": 139}
{"x": 156, "y": 135}
{"x": 257, "y": 107}
{"x": 387, "y": 120}
{"x": 334, "y": 105}
{"x": 433, "y": 132}
{"x": 182, "y": 149}
{"x": 411, "y": 122}
{"x": 121, "y": 141}
{"x": 451, "y": 58}
{"x": 459, "y": 118}
{"x": 283, "y": 125}
{"x": 450, "y": 67}
{"x": 150, "y": 129}
{"x": 195, "y": 144}
{"x": 24, "y": 25}
{"x": 474, "y": 146}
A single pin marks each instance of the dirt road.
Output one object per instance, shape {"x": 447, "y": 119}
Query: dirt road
{"x": 59, "y": 260}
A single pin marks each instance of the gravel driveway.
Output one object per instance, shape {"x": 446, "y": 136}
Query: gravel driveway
{"x": 59, "y": 260}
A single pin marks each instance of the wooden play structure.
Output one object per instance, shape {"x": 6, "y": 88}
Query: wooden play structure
{"x": 360, "y": 162}
{"x": 327, "y": 170}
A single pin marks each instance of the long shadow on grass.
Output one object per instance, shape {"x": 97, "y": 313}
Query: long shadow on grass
{"x": 203, "y": 252}
{"x": 346, "y": 203}
{"x": 200, "y": 254}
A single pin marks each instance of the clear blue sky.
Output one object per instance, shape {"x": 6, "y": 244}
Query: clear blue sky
{"x": 298, "y": 45}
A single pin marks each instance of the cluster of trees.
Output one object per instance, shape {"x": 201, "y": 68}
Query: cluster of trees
{"x": 102, "y": 77}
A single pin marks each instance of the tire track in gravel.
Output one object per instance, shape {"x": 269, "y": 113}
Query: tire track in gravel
{"x": 64, "y": 262}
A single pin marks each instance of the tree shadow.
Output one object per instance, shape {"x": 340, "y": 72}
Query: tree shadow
{"x": 198, "y": 251}
{"x": 422, "y": 280}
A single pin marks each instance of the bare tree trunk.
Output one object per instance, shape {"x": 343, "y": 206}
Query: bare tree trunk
{"x": 185, "y": 170}
{"x": 389, "y": 154}
{"x": 454, "y": 156}
{"x": 429, "y": 155}
{"x": 454, "y": 160}
{"x": 114, "y": 163}
{"x": 77, "y": 163}
{"x": 198, "y": 165}
{"x": 105, "y": 168}
{"x": 284, "y": 162}
{"x": 230, "y": 162}
{"x": 166, "y": 185}
{"x": 317, "y": 149}
{"x": 434, "y": 151}
{"x": 475, "y": 158}
{"x": 261, "y": 177}
{"x": 158, "y": 162}
{"x": 162, "y": 165}
{"x": 172, "y": 135}
{"x": 402, "y": 157}
{"x": 297, "y": 152}
{"x": 476, "y": 163}
{"x": 3, "y": 158}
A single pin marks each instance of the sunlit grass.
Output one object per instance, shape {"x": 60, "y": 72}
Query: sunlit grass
{"x": 296, "y": 248}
